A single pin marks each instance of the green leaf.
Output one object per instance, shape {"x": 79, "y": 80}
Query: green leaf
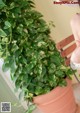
{"x": 12, "y": 5}
{"x": 28, "y": 22}
{"x": 2, "y": 33}
{"x": 7, "y": 25}
{"x": 5, "y": 67}
{"x": 38, "y": 90}
{"x": 46, "y": 90}
{"x": 56, "y": 60}
{"x": 1, "y": 4}
{"x": 13, "y": 67}
{"x": 31, "y": 108}
{"x": 62, "y": 83}
{"x": 43, "y": 70}
{"x": 60, "y": 73}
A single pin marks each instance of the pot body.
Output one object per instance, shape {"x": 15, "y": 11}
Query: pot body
{"x": 59, "y": 100}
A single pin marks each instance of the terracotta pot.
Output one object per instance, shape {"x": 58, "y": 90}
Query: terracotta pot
{"x": 59, "y": 100}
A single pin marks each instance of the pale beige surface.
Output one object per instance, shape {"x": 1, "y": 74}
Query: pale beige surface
{"x": 60, "y": 15}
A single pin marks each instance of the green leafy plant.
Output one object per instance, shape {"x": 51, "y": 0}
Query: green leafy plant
{"x": 35, "y": 64}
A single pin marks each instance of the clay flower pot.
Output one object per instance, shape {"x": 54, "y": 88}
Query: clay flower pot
{"x": 59, "y": 100}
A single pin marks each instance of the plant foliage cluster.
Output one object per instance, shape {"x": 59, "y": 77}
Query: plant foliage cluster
{"x": 35, "y": 64}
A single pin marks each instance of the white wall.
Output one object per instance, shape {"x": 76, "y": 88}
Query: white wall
{"x": 60, "y": 15}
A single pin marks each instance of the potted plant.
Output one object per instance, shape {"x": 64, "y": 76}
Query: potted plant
{"x": 35, "y": 64}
